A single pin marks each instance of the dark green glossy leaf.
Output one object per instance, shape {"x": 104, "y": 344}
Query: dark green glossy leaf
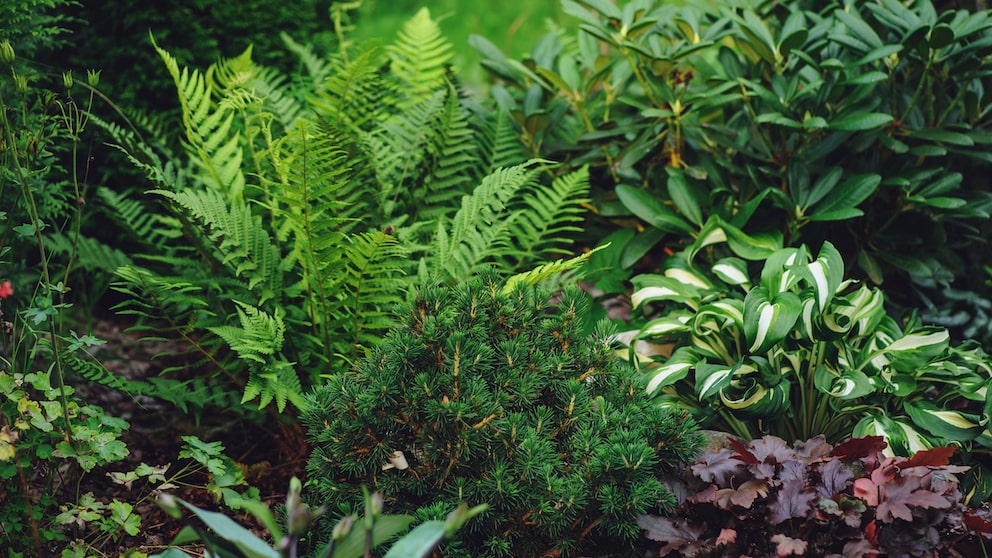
{"x": 683, "y": 194}
{"x": 651, "y": 210}
{"x": 861, "y": 122}
{"x": 942, "y": 135}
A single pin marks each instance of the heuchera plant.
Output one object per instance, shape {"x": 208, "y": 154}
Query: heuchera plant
{"x": 813, "y": 499}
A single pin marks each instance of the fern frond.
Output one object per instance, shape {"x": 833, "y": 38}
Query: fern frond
{"x": 401, "y": 148}
{"x": 276, "y": 93}
{"x": 274, "y": 381}
{"x": 547, "y": 216}
{"x": 453, "y": 160}
{"x": 317, "y": 68}
{"x": 476, "y": 234}
{"x": 259, "y": 336}
{"x": 355, "y": 96}
{"x": 419, "y": 58}
{"x": 135, "y": 217}
{"x": 548, "y": 270}
{"x": 90, "y": 254}
{"x": 213, "y": 142}
{"x": 499, "y": 140}
{"x": 98, "y": 374}
{"x": 240, "y": 241}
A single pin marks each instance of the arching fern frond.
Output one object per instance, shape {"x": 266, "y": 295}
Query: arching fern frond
{"x": 419, "y": 58}
{"x": 240, "y": 241}
{"x": 547, "y": 216}
{"x": 355, "y": 96}
{"x": 499, "y": 139}
{"x": 213, "y": 143}
{"x": 476, "y": 235}
{"x": 318, "y": 69}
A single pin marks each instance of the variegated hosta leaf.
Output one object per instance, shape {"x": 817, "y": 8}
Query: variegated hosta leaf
{"x": 902, "y": 437}
{"x": 824, "y": 274}
{"x": 680, "y": 270}
{"x": 777, "y": 275}
{"x": 669, "y": 324}
{"x": 732, "y": 271}
{"x": 714, "y": 326}
{"x": 649, "y": 288}
{"x": 675, "y": 368}
{"x": 769, "y": 319}
{"x": 711, "y": 378}
{"x": 746, "y": 396}
{"x": 847, "y": 384}
{"x": 909, "y": 352}
{"x": 945, "y": 423}
{"x": 899, "y": 385}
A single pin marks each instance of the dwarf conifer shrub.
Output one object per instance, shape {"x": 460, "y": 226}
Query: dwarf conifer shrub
{"x": 496, "y": 394}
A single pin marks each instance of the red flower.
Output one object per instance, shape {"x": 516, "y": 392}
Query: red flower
{"x": 5, "y": 289}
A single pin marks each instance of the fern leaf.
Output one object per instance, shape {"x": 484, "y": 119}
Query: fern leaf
{"x": 547, "y": 217}
{"x": 420, "y": 57}
{"x": 317, "y": 68}
{"x": 355, "y": 96}
{"x": 476, "y": 232}
{"x": 260, "y": 335}
{"x": 213, "y": 144}
{"x": 550, "y": 269}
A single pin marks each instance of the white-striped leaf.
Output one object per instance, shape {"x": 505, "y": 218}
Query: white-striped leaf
{"x": 911, "y": 351}
{"x": 665, "y": 325}
{"x": 711, "y": 378}
{"x": 732, "y": 271}
{"x": 949, "y": 424}
{"x": 824, "y": 274}
{"x": 675, "y": 368}
{"x": 768, "y": 320}
{"x": 656, "y": 287}
{"x": 845, "y": 385}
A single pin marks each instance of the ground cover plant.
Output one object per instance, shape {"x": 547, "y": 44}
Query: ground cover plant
{"x": 811, "y": 498}
{"x": 496, "y": 393}
{"x": 866, "y": 125}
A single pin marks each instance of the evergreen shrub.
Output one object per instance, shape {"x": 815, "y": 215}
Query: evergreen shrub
{"x": 500, "y": 395}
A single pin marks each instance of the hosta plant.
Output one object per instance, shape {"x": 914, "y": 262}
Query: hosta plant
{"x": 798, "y": 351}
{"x": 493, "y": 393}
{"x": 767, "y": 498}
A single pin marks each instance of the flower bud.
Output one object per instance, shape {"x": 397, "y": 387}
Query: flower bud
{"x": 7, "y": 53}
{"x": 93, "y": 77}
{"x": 67, "y": 79}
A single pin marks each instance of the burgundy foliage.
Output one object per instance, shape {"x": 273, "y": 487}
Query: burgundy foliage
{"x": 766, "y": 498}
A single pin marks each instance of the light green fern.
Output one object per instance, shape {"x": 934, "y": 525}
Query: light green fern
{"x": 420, "y": 58}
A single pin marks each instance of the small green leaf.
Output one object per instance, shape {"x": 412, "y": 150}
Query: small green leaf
{"x": 683, "y": 195}
{"x": 942, "y": 135}
{"x": 861, "y": 122}
{"x": 419, "y": 542}
{"x": 845, "y": 197}
{"x": 651, "y": 209}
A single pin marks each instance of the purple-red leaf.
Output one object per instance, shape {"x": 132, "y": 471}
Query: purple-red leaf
{"x": 898, "y": 497}
{"x": 834, "y": 477}
{"x": 675, "y": 534}
{"x": 793, "y": 500}
{"x": 786, "y": 546}
{"x": 718, "y": 466}
{"x": 936, "y": 457}
{"x": 743, "y": 454}
{"x": 857, "y": 448}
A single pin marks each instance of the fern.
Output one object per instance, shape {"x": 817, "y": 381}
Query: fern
{"x": 419, "y": 58}
{"x": 476, "y": 234}
{"x": 547, "y": 218}
{"x": 213, "y": 144}
{"x": 239, "y": 239}
{"x": 355, "y": 96}
{"x": 498, "y": 138}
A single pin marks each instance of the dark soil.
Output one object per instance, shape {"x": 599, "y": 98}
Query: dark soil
{"x": 270, "y": 454}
